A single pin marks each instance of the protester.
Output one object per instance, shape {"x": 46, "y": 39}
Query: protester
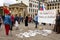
{"x": 7, "y": 19}
{"x": 7, "y": 22}
{"x": 26, "y": 21}
{"x": 57, "y": 25}
{"x": 36, "y": 20}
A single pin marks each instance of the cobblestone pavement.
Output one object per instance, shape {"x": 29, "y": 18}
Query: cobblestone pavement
{"x": 52, "y": 36}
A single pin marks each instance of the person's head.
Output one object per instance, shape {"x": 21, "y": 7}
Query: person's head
{"x": 35, "y": 14}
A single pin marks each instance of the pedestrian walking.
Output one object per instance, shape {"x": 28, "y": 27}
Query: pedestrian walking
{"x": 12, "y": 19}
{"x": 7, "y": 23}
{"x": 36, "y": 20}
{"x": 7, "y": 19}
{"x": 16, "y": 21}
{"x": 16, "y": 25}
{"x": 26, "y": 21}
{"x": 16, "y": 18}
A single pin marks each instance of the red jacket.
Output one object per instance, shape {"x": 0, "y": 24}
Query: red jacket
{"x": 12, "y": 18}
{"x": 6, "y": 11}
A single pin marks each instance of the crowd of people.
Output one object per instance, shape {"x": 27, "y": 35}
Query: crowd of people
{"x": 9, "y": 20}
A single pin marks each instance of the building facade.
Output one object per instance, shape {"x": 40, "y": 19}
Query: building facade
{"x": 18, "y": 8}
{"x": 32, "y": 6}
{"x": 53, "y": 4}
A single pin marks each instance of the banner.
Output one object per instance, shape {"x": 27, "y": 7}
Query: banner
{"x": 47, "y": 16}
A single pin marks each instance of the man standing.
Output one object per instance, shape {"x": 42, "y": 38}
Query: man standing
{"x": 36, "y": 20}
{"x": 7, "y": 19}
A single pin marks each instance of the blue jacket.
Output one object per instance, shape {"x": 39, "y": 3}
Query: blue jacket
{"x": 7, "y": 20}
{"x": 16, "y": 18}
{"x": 36, "y": 18}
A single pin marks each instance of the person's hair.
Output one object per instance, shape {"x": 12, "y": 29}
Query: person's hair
{"x": 35, "y": 14}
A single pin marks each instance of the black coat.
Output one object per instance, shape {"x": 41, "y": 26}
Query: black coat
{"x": 26, "y": 21}
{"x": 57, "y": 24}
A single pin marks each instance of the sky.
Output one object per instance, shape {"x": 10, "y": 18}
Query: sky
{"x": 7, "y": 1}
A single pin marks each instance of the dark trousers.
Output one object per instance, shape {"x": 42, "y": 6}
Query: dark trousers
{"x": 0, "y": 25}
{"x": 36, "y": 23}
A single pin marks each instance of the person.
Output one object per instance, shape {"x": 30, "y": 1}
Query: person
{"x": 7, "y": 23}
{"x": 16, "y": 25}
{"x": 16, "y": 18}
{"x": 26, "y": 21}
{"x": 12, "y": 19}
{"x": 36, "y": 20}
{"x": 16, "y": 21}
{"x": 0, "y": 20}
{"x": 57, "y": 24}
{"x": 21, "y": 19}
{"x": 7, "y": 19}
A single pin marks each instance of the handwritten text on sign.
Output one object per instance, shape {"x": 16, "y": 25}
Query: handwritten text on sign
{"x": 47, "y": 16}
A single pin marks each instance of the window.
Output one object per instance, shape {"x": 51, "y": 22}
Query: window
{"x": 55, "y": 4}
{"x": 55, "y": 7}
{"x": 50, "y": 7}
{"x": 58, "y": 7}
{"x": 13, "y": 8}
{"x": 16, "y": 8}
{"x": 33, "y": 10}
{"x": 50, "y": 4}
{"x": 58, "y": 3}
{"x": 30, "y": 4}
{"x": 33, "y": 5}
{"x": 10, "y": 8}
{"x": 29, "y": 9}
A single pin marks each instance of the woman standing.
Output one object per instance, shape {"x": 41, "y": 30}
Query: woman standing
{"x": 26, "y": 21}
{"x": 57, "y": 25}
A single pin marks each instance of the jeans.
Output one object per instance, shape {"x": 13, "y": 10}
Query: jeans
{"x": 36, "y": 23}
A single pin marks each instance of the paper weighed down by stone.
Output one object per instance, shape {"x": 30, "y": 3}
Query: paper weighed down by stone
{"x": 34, "y": 33}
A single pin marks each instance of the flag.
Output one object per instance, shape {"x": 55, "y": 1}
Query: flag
{"x": 39, "y": 6}
{"x": 42, "y": 7}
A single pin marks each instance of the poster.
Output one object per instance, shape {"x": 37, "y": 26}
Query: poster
{"x": 47, "y": 16}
